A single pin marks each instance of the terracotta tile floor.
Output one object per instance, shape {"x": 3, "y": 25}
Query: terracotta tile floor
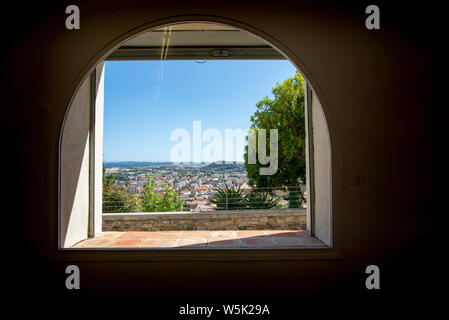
{"x": 226, "y": 239}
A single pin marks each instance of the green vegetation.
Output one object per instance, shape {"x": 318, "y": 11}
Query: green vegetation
{"x": 261, "y": 200}
{"x": 152, "y": 202}
{"x": 286, "y": 114}
{"x": 294, "y": 199}
{"x": 231, "y": 198}
{"x": 117, "y": 199}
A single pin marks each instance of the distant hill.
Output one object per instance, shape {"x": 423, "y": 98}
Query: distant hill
{"x": 137, "y": 164}
{"x": 214, "y": 165}
{"x": 221, "y": 165}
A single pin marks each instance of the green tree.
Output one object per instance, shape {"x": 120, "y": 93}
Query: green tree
{"x": 150, "y": 198}
{"x": 108, "y": 179}
{"x": 152, "y": 202}
{"x": 285, "y": 112}
{"x": 170, "y": 201}
{"x": 132, "y": 203}
{"x": 115, "y": 198}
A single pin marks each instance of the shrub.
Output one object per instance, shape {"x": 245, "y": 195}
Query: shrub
{"x": 260, "y": 200}
{"x": 229, "y": 198}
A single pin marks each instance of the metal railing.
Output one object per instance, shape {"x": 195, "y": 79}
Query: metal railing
{"x": 211, "y": 200}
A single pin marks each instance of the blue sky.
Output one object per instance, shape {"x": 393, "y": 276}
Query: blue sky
{"x": 146, "y": 100}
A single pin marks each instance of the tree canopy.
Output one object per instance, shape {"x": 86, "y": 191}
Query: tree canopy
{"x": 284, "y": 112}
{"x": 153, "y": 202}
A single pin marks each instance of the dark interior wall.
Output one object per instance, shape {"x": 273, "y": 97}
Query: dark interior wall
{"x": 373, "y": 88}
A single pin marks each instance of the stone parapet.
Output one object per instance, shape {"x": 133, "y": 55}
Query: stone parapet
{"x": 278, "y": 219}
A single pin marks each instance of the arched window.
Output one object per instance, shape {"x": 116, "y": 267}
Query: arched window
{"x": 206, "y": 175}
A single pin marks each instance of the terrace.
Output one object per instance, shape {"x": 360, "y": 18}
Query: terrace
{"x": 215, "y": 239}
{"x": 224, "y": 229}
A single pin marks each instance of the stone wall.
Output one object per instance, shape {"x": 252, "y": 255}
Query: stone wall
{"x": 279, "y": 219}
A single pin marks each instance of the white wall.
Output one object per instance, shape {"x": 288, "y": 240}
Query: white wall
{"x": 98, "y": 175}
{"x": 75, "y": 169}
{"x": 322, "y": 173}
{"x": 308, "y": 184}
{"x": 75, "y": 163}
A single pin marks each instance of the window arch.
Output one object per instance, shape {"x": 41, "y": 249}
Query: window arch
{"x": 82, "y": 133}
